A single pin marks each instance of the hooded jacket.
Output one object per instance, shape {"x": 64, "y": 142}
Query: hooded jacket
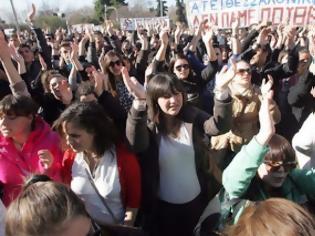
{"x": 16, "y": 165}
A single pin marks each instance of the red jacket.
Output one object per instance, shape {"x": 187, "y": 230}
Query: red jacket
{"x": 129, "y": 174}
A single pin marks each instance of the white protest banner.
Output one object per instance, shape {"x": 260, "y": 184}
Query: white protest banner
{"x": 133, "y": 23}
{"x": 224, "y": 12}
{"x": 80, "y": 27}
{"x": 127, "y": 24}
{"x": 98, "y": 28}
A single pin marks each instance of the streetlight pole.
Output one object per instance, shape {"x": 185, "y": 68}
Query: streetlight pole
{"x": 105, "y": 17}
{"x": 161, "y": 7}
{"x": 15, "y": 16}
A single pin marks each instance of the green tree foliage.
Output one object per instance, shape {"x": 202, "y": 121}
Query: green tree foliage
{"x": 180, "y": 12}
{"x": 99, "y": 6}
{"x": 51, "y": 21}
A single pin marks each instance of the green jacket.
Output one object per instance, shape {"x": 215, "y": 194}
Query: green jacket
{"x": 240, "y": 180}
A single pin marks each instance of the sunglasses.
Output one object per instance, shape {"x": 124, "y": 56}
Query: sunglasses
{"x": 180, "y": 67}
{"x": 112, "y": 63}
{"x": 305, "y": 61}
{"x": 275, "y": 166}
{"x": 242, "y": 71}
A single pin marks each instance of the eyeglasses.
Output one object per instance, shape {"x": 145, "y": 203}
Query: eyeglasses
{"x": 180, "y": 67}
{"x": 242, "y": 71}
{"x": 276, "y": 165}
{"x": 112, "y": 63}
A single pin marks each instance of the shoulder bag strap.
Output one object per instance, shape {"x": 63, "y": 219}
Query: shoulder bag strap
{"x": 101, "y": 198}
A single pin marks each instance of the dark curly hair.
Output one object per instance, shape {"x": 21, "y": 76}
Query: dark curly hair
{"x": 92, "y": 118}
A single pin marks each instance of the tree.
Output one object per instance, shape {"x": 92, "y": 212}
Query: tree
{"x": 83, "y": 15}
{"x": 180, "y": 12}
{"x": 50, "y": 21}
{"x": 99, "y": 6}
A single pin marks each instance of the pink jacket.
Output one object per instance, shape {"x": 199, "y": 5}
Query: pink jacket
{"x": 15, "y": 165}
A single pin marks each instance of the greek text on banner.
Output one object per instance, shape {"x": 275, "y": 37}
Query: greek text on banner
{"x": 223, "y": 12}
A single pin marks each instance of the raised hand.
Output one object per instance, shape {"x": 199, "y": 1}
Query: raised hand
{"x": 45, "y": 158}
{"x": 206, "y": 35}
{"x": 225, "y": 77}
{"x": 178, "y": 32}
{"x": 65, "y": 92}
{"x": 266, "y": 87}
{"x": 143, "y": 38}
{"x": 267, "y": 128}
{"x": 74, "y": 51}
{"x": 109, "y": 28}
{"x": 235, "y": 25}
{"x": 15, "y": 55}
{"x": 100, "y": 82}
{"x": 42, "y": 62}
{"x": 31, "y": 14}
{"x": 262, "y": 38}
{"x": 164, "y": 36}
{"x": 4, "y": 48}
{"x": 290, "y": 33}
{"x": 89, "y": 32}
{"x": 133, "y": 86}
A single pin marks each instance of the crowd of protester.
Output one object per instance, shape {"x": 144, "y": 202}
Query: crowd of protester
{"x": 158, "y": 131}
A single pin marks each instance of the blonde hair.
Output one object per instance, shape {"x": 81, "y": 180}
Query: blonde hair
{"x": 273, "y": 217}
{"x": 42, "y": 208}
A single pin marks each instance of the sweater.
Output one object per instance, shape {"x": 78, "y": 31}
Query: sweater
{"x": 144, "y": 140}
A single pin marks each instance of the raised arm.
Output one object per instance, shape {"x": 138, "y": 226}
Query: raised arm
{"x": 221, "y": 120}
{"x": 160, "y": 55}
{"x": 137, "y": 132}
{"x": 45, "y": 50}
{"x": 236, "y": 44}
{"x": 240, "y": 172}
{"x": 14, "y": 77}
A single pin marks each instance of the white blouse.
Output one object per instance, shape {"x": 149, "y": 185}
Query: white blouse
{"x": 106, "y": 179}
{"x": 179, "y": 183}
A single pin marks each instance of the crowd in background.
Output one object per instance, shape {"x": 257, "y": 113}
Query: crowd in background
{"x": 158, "y": 131}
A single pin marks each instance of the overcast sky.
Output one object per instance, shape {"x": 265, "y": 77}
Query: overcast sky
{"x": 22, "y": 6}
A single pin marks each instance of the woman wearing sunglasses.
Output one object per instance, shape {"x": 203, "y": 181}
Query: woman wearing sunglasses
{"x": 246, "y": 99}
{"x": 267, "y": 167}
{"x": 112, "y": 68}
{"x": 188, "y": 69}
